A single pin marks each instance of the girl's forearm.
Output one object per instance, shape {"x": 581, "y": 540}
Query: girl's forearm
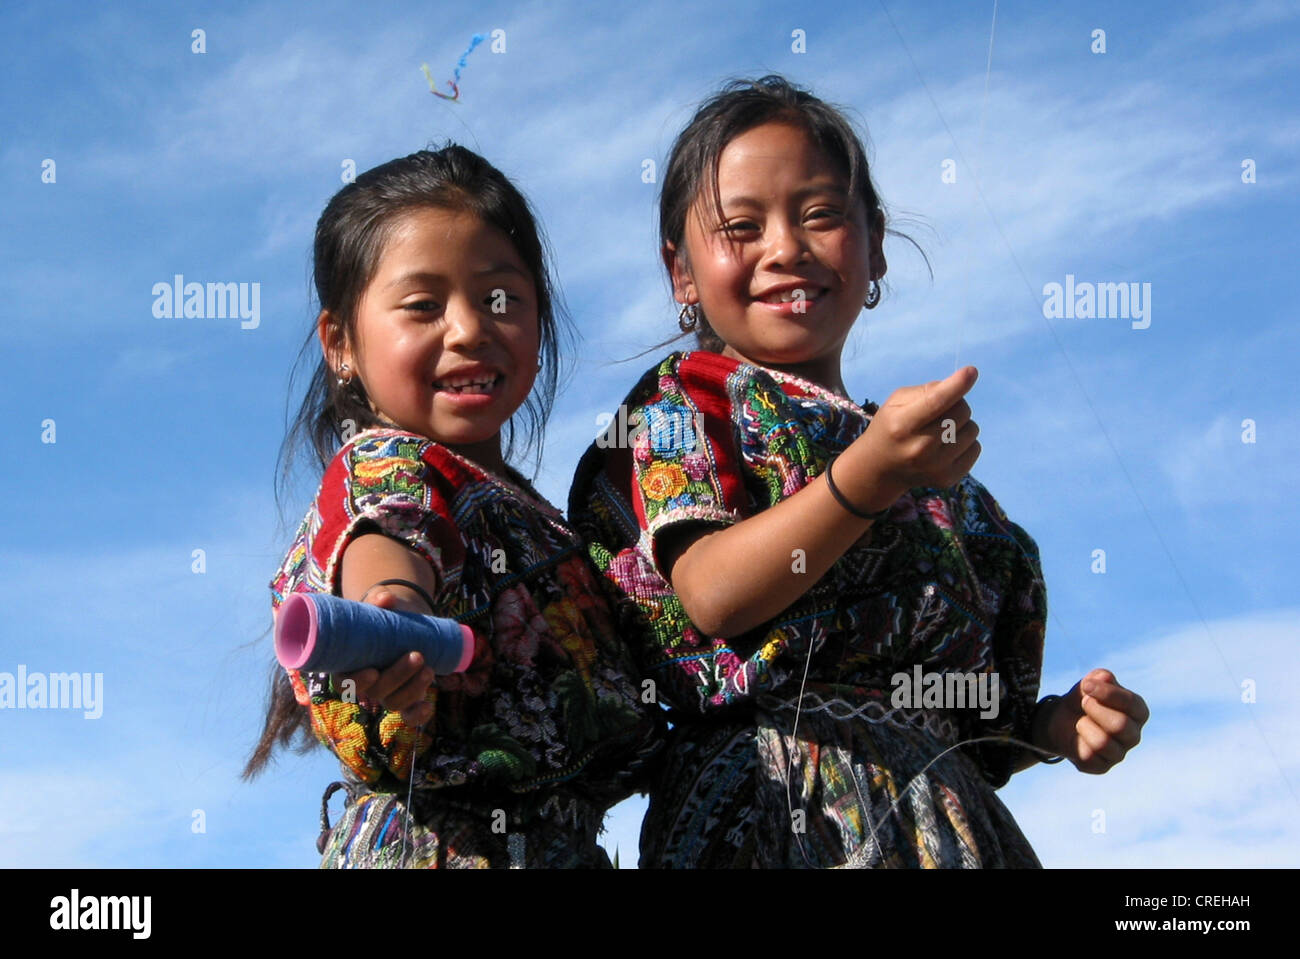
{"x": 733, "y": 579}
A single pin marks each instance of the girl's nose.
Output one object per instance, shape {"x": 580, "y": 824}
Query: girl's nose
{"x": 786, "y": 245}
{"x": 466, "y": 325}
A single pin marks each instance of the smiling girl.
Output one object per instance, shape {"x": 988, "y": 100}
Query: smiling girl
{"x": 436, "y": 317}
{"x": 789, "y": 552}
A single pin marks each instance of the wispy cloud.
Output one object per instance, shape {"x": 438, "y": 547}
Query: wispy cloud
{"x": 1114, "y": 168}
{"x": 1160, "y": 806}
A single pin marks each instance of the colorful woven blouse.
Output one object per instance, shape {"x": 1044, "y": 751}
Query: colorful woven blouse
{"x": 540, "y": 735}
{"x": 757, "y": 774}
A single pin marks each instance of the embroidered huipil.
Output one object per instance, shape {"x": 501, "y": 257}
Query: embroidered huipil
{"x": 756, "y": 773}
{"x": 529, "y": 747}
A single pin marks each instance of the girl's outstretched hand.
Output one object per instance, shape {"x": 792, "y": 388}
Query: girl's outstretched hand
{"x": 1097, "y": 722}
{"x": 404, "y": 685}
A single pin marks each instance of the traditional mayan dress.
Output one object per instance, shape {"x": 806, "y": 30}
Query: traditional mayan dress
{"x": 539, "y": 737}
{"x": 754, "y": 775}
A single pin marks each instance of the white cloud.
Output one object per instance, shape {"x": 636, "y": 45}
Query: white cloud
{"x": 1204, "y": 787}
{"x": 1208, "y": 463}
{"x": 1083, "y": 178}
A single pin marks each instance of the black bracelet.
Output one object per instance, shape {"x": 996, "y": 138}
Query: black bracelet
{"x": 1041, "y": 703}
{"x": 409, "y": 585}
{"x": 839, "y": 498}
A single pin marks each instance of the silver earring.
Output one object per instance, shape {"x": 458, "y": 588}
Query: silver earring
{"x": 873, "y": 295}
{"x": 343, "y": 381}
{"x": 689, "y": 317}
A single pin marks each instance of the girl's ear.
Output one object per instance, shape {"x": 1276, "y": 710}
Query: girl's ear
{"x": 332, "y": 342}
{"x": 680, "y": 270}
{"x": 878, "y": 264}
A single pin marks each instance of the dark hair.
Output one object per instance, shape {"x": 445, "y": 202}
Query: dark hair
{"x": 350, "y": 238}
{"x": 740, "y": 106}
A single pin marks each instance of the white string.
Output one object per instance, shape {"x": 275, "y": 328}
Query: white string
{"x": 794, "y": 738}
{"x": 826, "y": 706}
{"x": 1101, "y": 424}
{"x": 913, "y": 781}
{"x": 410, "y": 789}
{"x": 974, "y": 172}
{"x": 988, "y": 68}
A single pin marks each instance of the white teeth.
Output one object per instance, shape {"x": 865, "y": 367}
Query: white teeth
{"x": 790, "y": 296}
{"x": 466, "y": 384}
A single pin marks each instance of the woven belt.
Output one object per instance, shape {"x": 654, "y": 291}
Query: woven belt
{"x": 938, "y": 724}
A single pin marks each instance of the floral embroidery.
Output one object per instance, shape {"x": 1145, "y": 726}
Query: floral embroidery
{"x": 945, "y": 581}
{"x": 663, "y": 480}
{"x": 547, "y": 649}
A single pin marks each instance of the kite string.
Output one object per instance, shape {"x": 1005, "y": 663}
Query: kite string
{"x": 974, "y": 172}
{"x": 915, "y": 779}
{"x": 1101, "y": 426}
{"x": 812, "y": 644}
{"x": 410, "y": 791}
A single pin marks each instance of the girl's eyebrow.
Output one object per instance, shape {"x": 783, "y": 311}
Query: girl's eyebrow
{"x": 799, "y": 194}
{"x": 502, "y": 268}
{"x": 424, "y": 276}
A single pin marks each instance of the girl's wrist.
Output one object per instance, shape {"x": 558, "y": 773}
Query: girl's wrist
{"x": 858, "y": 481}
{"x": 870, "y": 515}
{"x": 1041, "y": 730}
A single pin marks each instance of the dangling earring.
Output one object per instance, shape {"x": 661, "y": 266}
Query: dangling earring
{"x": 689, "y": 317}
{"x": 344, "y": 381}
{"x": 873, "y": 295}
{"x": 539, "y": 361}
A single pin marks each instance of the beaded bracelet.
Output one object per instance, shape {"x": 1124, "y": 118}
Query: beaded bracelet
{"x": 1051, "y": 697}
{"x": 839, "y": 498}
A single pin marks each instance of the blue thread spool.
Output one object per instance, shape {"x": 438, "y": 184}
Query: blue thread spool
{"x": 319, "y": 633}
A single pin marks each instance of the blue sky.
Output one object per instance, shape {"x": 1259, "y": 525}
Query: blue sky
{"x": 1122, "y": 166}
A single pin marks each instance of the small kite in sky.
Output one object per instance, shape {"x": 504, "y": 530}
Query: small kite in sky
{"x": 454, "y": 82}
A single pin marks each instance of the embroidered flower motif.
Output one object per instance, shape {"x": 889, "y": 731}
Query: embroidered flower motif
{"x": 566, "y": 626}
{"x": 636, "y": 574}
{"x": 426, "y": 496}
{"x": 904, "y": 509}
{"x": 337, "y": 728}
{"x": 577, "y": 583}
{"x": 513, "y": 637}
{"x": 937, "y": 509}
{"x": 641, "y": 449}
{"x": 663, "y": 481}
{"x": 696, "y": 466}
{"x": 400, "y": 738}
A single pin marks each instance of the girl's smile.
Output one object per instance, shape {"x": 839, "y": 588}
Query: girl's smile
{"x": 782, "y": 276}
{"x": 471, "y": 385}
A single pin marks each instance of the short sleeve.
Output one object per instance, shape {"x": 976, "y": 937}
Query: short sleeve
{"x": 713, "y": 441}
{"x": 385, "y": 483}
{"x": 382, "y": 483}
{"x": 1017, "y": 651}
{"x": 693, "y": 459}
